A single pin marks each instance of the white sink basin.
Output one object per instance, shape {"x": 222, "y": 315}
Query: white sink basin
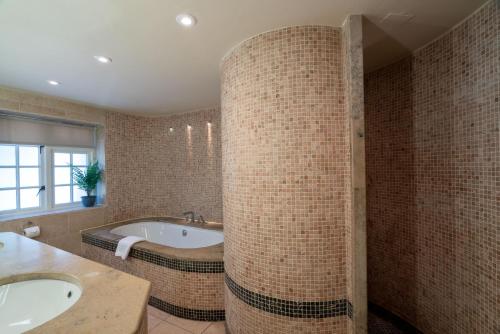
{"x": 27, "y": 304}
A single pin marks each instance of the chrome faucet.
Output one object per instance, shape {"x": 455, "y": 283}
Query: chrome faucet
{"x": 202, "y": 220}
{"x": 189, "y": 216}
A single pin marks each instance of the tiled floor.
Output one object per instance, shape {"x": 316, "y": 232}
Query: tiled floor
{"x": 163, "y": 323}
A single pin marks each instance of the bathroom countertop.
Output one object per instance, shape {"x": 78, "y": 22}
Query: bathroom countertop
{"x": 213, "y": 253}
{"x": 111, "y": 301}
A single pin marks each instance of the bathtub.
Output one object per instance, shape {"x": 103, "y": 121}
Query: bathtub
{"x": 172, "y": 235}
{"x": 184, "y": 262}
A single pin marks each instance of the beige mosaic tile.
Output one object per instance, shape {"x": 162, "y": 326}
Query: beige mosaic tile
{"x": 433, "y": 166}
{"x": 285, "y": 168}
{"x": 242, "y": 319}
{"x": 199, "y": 291}
{"x": 151, "y": 171}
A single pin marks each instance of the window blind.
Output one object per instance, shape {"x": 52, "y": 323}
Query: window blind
{"x": 26, "y": 129}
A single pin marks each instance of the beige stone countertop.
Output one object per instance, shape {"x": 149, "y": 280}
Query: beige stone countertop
{"x": 111, "y": 301}
{"x": 213, "y": 253}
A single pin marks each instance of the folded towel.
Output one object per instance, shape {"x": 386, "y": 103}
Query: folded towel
{"x": 125, "y": 244}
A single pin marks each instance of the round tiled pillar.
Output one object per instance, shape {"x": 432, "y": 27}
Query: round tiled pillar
{"x": 285, "y": 174}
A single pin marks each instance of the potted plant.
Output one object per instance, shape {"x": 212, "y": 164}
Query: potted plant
{"x": 87, "y": 181}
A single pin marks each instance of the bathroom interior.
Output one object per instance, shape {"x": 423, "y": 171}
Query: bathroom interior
{"x": 250, "y": 167}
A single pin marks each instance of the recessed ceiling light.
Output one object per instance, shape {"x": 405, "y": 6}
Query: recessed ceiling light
{"x": 53, "y": 82}
{"x": 104, "y": 60}
{"x": 186, "y": 20}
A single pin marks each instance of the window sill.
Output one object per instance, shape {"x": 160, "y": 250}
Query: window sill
{"x": 16, "y": 216}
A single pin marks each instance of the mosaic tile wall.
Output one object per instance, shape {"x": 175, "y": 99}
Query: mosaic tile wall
{"x": 189, "y": 290}
{"x": 433, "y": 173}
{"x": 152, "y": 171}
{"x": 285, "y": 168}
{"x": 253, "y": 320}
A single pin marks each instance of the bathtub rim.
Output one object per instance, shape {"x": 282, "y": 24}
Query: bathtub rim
{"x": 214, "y": 253}
{"x": 190, "y": 228}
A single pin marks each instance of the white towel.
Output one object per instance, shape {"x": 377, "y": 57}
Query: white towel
{"x": 125, "y": 244}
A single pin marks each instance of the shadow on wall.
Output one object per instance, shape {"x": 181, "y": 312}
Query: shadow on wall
{"x": 391, "y": 249}
{"x": 375, "y": 40}
{"x": 381, "y": 45}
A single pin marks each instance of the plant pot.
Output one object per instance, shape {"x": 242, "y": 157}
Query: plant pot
{"x": 88, "y": 201}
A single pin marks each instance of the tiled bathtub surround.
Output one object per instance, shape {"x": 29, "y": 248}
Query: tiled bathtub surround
{"x": 285, "y": 168}
{"x": 190, "y": 295}
{"x": 190, "y": 266}
{"x": 188, "y": 283}
{"x": 433, "y": 166}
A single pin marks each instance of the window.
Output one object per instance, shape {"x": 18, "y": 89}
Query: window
{"x": 64, "y": 162}
{"x": 20, "y": 176}
{"x": 37, "y": 159}
{"x": 36, "y": 178}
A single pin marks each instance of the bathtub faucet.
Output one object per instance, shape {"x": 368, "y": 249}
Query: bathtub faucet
{"x": 189, "y": 215}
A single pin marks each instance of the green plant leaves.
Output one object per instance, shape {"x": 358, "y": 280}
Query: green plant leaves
{"x": 88, "y": 180}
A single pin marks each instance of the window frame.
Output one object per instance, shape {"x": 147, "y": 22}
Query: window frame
{"x": 41, "y": 194}
{"x": 46, "y": 170}
{"x": 50, "y": 174}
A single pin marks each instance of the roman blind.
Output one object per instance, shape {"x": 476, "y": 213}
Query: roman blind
{"x": 27, "y": 129}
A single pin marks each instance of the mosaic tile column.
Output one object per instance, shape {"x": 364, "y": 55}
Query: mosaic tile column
{"x": 285, "y": 151}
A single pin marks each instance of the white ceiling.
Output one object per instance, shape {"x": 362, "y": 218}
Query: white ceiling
{"x": 160, "y": 67}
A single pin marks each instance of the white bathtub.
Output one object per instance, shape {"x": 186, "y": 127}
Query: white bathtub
{"x": 172, "y": 235}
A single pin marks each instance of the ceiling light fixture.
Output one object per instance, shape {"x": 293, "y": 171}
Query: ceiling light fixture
{"x": 53, "y": 82}
{"x": 102, "y": 59}
{"x": 186, "y": 20}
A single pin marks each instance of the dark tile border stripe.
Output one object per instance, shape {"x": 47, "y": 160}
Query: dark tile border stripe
{"x": 288, "y": 308}
{"x": 171, "y": 263}
{"x": 187, "y": 313}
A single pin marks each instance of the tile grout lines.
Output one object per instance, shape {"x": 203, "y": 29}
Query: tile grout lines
{"x": 160, "y": 321}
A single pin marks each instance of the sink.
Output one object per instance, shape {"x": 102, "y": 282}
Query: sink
{"x": 29, "y": 303}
